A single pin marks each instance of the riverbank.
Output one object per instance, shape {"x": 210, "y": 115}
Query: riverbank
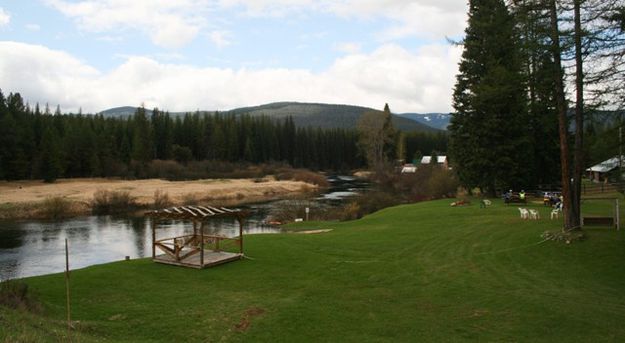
{"x": 28, "y": 199}
{"x": 425, "y": 271}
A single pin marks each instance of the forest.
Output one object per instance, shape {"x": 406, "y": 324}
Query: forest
{"x": 36, "y": 143}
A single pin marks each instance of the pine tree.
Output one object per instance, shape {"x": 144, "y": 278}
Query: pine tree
{"x": 489, "y": 143}
{"x": 141, "y": 138}
{"x": 50, "y": 150}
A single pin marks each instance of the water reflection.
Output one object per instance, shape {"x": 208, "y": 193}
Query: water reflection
{"x": 36, "y": 248}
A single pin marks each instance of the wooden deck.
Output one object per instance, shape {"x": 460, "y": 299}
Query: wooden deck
{"x": 211, "y": 258}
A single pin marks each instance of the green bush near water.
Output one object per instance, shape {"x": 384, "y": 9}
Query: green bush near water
{"x": 412, "y": 273}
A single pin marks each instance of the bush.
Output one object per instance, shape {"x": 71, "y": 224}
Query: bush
{"x": 302, "y": 175}
{"x": 288, "y": 210}
{"x": 14, "y": 294}
{"x": 161, "y": 199}
{"x": 190, "y": 199}
{"x": 107, "y": 202}
{"x": 56, "y": 208}
{"x": 168, "y": 170}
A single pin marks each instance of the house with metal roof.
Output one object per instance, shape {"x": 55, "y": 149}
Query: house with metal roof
{"x": 600, "y": 171}
{"x": 440, "y": 160}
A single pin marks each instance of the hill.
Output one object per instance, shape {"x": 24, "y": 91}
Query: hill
{"x": 303, "y": 114}
{"x": 120, "y": 112}
{"x": 325, "y": 115}
{"x": 435, "y": 120}
{"x": 421, "y": 272}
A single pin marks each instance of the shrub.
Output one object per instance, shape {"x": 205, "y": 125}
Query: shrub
{"x": 190, "y": 199}
{"x": 107, "y": 202}
{"x": 15, "y": 294}
{"x": 302, "y": 175}
{"x": 166, "y": 169}
{"x": 376, "y": 200}
{"x": 443, "y": 183}
{"x": 288, "y": 210}
{"x": 56, "y": 208}
{"x": 161, "y": 199}
{"x": 181, "y": 154}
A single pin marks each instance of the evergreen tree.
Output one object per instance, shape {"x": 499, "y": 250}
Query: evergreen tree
{"x": 141, "y": 138}
{"x": 50, "y": 150}
{"x": 489, "y": 142}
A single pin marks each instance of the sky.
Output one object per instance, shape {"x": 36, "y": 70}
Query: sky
{"x": 186, "y": 55}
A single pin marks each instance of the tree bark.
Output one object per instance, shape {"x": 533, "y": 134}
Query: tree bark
{"x": 578, "y": 162}
{"x": 562, "y": 120}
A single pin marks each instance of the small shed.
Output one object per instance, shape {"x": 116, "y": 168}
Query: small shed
{"x": 408, "y": 168}
{"x": 601, "y": 170}
{"x": 197, "y": 250}
{"x": 440, "y": 160}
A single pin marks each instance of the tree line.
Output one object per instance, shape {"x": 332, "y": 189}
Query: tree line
{"x": 38, "y": 144}
{"x": 530, "y": 73}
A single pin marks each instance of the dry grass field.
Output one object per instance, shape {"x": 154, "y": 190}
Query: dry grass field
{"x": 80, "y": 192}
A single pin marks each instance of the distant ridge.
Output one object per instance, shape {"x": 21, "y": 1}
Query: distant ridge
{"x": 303, "y": 114}
{"x": 436, "y": 120}
{"x": 124, "y": 111}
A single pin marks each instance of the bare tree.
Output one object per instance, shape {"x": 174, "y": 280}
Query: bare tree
{"x": 376, "y": 137}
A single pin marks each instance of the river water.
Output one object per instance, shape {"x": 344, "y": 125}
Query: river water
{"x": 29, "y": 248}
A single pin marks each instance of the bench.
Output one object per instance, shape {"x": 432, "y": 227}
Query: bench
{"x": 598, "y": 221}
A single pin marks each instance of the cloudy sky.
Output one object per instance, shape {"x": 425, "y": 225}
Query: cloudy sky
{"x": 222, "y": 54}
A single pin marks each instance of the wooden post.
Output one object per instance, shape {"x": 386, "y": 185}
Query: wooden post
{"x": 69, "y": 317}
{"x": 153, "y": 222}
{"x": 201, "y": 244}
{"x": 240, "y": 234}
{"x": 618, "y": 215}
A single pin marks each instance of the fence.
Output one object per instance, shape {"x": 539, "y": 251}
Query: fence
{"x": 601, "y": 188}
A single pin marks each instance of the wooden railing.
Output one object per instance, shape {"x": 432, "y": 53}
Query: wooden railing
{"x": 181, "y": 247}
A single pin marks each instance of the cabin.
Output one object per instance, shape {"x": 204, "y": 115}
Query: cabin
{"x": 440, "y": 160}
{"x": 408, "y": 168}
{"x": 199, "y": 249}
{"x": 608, "y": 168}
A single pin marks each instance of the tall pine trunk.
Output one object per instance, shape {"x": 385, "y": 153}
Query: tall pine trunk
{"x": 578, "y": 167}
{"x": 561, "y": 109}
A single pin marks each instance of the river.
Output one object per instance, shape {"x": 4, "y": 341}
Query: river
{"x": 29, "y": 248}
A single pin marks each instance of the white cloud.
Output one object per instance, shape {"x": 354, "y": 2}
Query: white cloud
{"x": 408, "y": 81}
{"x": 5, "y": 18}
{"x": 33, "y": 27}
{"x": 423, "y": 18}
{"x": 220, "y": 38}
{"x": 348, "y": 47}
{"x": 173, "y": 24}
{"x": 273, "y": 8}
{"x": 170, "y": 24}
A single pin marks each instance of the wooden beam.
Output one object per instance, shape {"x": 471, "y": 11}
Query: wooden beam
{"x": 240, "y": 234}
{"x": 202, "y": 244}
{"x": 153, "y": 223}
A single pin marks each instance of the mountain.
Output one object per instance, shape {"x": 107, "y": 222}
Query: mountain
{"x": 121, "y": 112}
{"x": 303, "y": 114}
{"x": 324, "y": 115}
{"x": 436, "y": 120}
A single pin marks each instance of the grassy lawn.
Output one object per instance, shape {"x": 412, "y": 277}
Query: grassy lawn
{"x": 412, "y": 273}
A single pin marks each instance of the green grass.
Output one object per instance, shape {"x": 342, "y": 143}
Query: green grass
{"x": 412, "y": 273}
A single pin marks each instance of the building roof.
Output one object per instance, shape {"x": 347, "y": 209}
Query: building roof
{"x": 607, "y": 165}
{"x": 428, "y": 159}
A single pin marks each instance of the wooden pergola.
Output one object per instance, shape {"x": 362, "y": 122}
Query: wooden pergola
{"x": 196, "y": 250}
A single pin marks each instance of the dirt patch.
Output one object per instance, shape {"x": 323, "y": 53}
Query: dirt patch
{"x": 312, "y": 232}
{"x": 246, "y": 319}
